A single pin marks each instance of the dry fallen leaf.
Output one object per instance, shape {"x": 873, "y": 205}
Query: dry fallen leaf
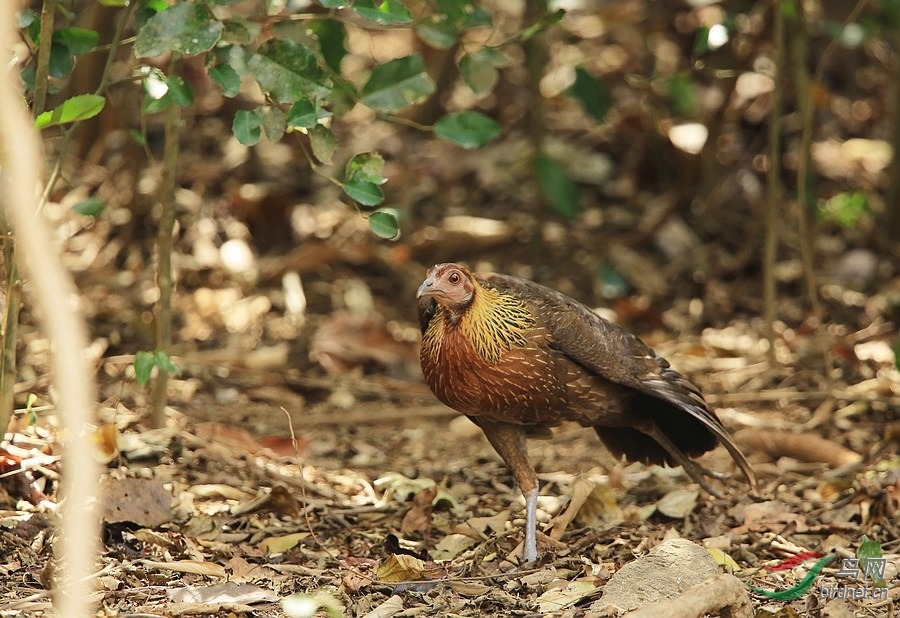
{"x": 678, "y": 503}
{"x": 400, "y": 568}
{"x": 452, "y": 546}
{"x": 557, "y": 599}
{"x": 418, "y": 518}
{"x": 145, "y": 502}
{"x": 105, "y": 441}
{"x": 196, "y": 567}
{"x": 229, "y": 592}
{"x": 275, "y": 545}
{"x": 480, "y": 528}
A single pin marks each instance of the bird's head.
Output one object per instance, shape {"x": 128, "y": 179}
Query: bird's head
{"x": 450, "y": 285}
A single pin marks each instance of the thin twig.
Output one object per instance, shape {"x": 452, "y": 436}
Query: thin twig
{"x": 806, "y": 107}
{"x": 42, "y": 71}
{"x": 773, "y": 178}
{"x": 164, "y": 281}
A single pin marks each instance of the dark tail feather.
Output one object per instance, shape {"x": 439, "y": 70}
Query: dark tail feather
{"x": 692, "y": 429}
{"x": 633, "y": 444}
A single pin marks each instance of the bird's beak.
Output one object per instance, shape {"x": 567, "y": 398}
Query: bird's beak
{"x": 426, "y": 288}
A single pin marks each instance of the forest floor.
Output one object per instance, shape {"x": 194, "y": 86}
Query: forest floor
{"x": 386, "y": 499}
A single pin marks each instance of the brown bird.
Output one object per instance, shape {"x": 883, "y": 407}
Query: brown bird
{"x": 517, "y": 358}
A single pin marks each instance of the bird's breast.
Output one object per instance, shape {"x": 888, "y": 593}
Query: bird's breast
{"x": 522, "y": 386}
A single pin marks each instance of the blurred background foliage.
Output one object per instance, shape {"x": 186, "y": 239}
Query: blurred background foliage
{"x": 621, "y": 149}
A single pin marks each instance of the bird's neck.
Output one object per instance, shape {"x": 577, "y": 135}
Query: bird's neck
{"x": 494, "y": 323}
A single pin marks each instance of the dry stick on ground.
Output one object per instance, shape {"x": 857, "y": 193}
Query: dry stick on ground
{"x": 55, "y": 295}
{"x": 804, "y": 447}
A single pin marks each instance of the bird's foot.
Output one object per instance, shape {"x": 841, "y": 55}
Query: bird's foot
{"x": 699, "y": 474}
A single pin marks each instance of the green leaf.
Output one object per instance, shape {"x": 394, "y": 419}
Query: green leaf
{"x": 384, "y": 224}
{"x": 591, "y": 93}
{"x": 896, "y": 349}
{"x": 180, "y": 91}
{"x": 273, "y": 122}
{"x": 79, "y": 107}
{"x": 226, "y": 78}
{"x": 846, "y": 209}
{"x": 144, "y": 363}
{"x": 365, "y": 166}
{"x": 870, "y": 550}
{"x": 323, "y": 143}
{"x": 153, "y": 106}
{"x": 558, "y": 189}
{"x": 467, "y": 129}
{"x": 683, "y": 95}
{"x": 479, "y": 70}
{"x": 61, "y": 61}
{"x": 164, "y": 363}
{"x": 186, "y": 27}
{"x": 29, "y": 409}
{"x": 137, "y": 137}
{"x": 247, "y": 127}
{"x": 78, "y": 40}
{"x": 114, "y": 3}
{"x": 386, "y": 13}
{"x": 438, "y": 31}
{"x": 332, "y": 37}
{"x": 477, "y": 17}
{"x": 239, "y": 31}
{"x": 25, "y": 18}
{"x": 542, "y": 24}
{"x": 34, "y": 28}
{"x": 443, "y": 28}
{"x": 365, "y": 192}
{"x": 362, "y": 177}
{"x": 305, "y": 114}
{"x": 289, "y": 71}
{"x": 397, "y": 84}
{"x": 30, "y": 412}
{"x": 701, "y": 41}
{"x": 90, "y": 207}
{"x": 334, "y": 4}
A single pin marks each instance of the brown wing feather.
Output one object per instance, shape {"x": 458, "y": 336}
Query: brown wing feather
{"x": 607, "y": 350}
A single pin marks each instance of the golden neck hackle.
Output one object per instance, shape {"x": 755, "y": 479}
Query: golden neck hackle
{"x": 493, "y": 323}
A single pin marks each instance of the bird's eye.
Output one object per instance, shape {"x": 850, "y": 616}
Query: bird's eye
{"x": 454, "y": 278}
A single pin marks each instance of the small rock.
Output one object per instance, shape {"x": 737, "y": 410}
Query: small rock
{"x": 665, "y": 572}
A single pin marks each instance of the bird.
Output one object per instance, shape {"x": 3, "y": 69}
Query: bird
{"x": 518, "y": 358}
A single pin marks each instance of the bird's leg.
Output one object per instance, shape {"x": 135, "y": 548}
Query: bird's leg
{"x": 529, "y": 551}
{"x": 509, "y": 442}
{"x": 693, "y": 469}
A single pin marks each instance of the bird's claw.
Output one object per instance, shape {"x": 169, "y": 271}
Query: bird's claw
{"x": 698, "y": 474}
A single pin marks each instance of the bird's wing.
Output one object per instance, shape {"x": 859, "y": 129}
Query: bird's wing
{"x": 596, "y": 344}
{"x": 608, "y": 350}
